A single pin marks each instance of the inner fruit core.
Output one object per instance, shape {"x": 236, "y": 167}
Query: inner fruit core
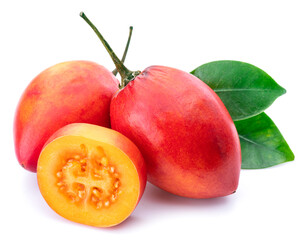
{"x": 88, "y": 177}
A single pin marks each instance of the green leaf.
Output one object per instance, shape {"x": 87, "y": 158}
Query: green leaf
{"x": 244, "y": 89}
{"x": 262, "y": 144}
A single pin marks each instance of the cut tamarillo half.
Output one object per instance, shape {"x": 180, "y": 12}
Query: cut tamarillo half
{"x": 91, "y": 174}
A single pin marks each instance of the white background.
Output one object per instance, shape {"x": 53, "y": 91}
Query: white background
{"x": 269, "y": 203}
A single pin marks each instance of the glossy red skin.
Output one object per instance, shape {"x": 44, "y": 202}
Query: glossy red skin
{"x": 69, "y": 92}
{"x": 183, "y": 130}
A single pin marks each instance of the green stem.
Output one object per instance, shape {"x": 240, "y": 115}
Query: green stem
{"x": 125, "y": 73}
{"x": 115, "y": 71}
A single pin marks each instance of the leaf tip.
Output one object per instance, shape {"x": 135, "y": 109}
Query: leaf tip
{"x": 291, "y": 157}
{"x": 283, "y": 91}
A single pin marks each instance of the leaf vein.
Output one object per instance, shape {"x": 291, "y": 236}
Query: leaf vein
{"x": 244, "y": 89}
{"x": 260, "y": 145}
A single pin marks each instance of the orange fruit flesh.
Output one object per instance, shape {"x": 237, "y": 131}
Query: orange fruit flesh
{"x": 87, "y": 181}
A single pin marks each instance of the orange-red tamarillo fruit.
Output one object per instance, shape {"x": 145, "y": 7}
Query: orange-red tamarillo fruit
{"x": 69, "y": 92}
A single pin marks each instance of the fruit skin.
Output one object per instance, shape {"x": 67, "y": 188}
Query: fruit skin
{"x": 68, "y": 92}
{"x": 79, "y": 213}
{"x": 183, "y": 130}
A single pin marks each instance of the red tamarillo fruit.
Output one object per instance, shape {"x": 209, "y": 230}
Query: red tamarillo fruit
{"x": 182, "y": 128}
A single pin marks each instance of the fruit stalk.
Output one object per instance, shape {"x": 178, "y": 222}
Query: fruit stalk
{"x": 115, "y": 71}
{"x": 126, "y": 74}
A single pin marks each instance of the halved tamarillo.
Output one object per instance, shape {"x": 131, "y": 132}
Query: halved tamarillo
{"x": 182, "y": 128}
{"x": 91, "y": 174}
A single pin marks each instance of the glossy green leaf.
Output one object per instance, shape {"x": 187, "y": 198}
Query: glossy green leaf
{"x": 262, "y": 144}
{"x": 244, "y": 89}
